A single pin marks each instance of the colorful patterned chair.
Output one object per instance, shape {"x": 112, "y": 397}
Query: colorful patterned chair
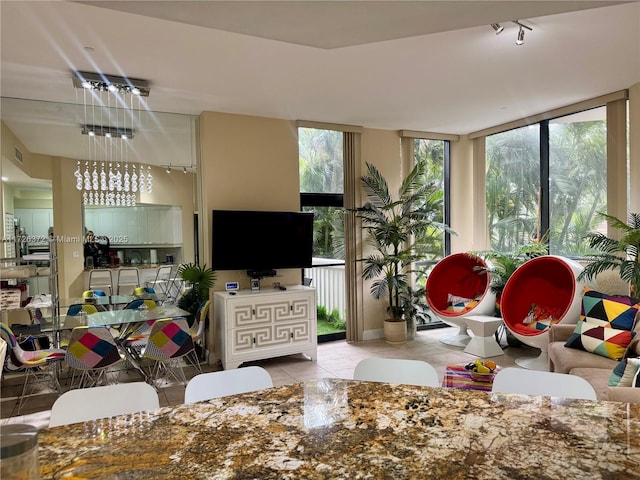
{"x": 169, "y": 341}
{"x": 197, "y": 332}
{"x": 457, "y": 287}
{"x": 92, "y": 351}
{"x": 38, "y": 365}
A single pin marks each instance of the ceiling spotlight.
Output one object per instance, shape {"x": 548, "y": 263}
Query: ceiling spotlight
{"x": 184, "y": 169}
{"x": 520, "y": 39}
{"x": 497, "y": 27}
{"x": 169, "y": 169}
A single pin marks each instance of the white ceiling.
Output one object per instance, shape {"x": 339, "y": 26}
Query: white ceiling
{"x": 426, "y": 65}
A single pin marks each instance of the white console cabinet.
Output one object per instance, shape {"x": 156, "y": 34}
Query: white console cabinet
{"x": 264, "y": 324}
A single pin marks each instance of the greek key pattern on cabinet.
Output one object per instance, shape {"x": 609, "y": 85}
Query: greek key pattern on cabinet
{"x": 268, "y": 324}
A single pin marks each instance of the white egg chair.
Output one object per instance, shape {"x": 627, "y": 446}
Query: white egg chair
{"x": 464, "y": 276}
{"x": 541, "y": 291}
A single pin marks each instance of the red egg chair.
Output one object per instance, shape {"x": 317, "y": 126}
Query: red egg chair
{"x": 541, "y": 292}
{"x": 457, "y": 287}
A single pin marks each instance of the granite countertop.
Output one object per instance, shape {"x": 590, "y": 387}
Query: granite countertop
{"x": 339, "y": 429}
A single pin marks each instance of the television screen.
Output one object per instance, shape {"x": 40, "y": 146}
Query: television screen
{"x": 261, "y": 241}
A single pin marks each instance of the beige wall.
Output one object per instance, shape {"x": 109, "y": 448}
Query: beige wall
{"x": 381, "y": 148}
{"x": 247, "y": 163}
{"x": 634, "y": 147}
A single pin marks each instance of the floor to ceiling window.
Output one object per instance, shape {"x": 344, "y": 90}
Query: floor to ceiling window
{"x": 547, "y": 182}
{"x": 435, "y": 153}
{"x": 322, "y": 192}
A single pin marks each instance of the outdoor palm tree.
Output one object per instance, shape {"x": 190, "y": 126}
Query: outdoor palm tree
{"x": 398, "y": 231}
{"x": 617, "y": 254}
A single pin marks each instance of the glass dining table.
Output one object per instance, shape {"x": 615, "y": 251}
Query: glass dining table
{"x": 111, "y": 302}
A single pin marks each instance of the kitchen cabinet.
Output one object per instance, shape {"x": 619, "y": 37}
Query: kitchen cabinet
{"x": 36, "y": 222}
{"x": 145, "y": 225}
{"x": 270, "y": 323}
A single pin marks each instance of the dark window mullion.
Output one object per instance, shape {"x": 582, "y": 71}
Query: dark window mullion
{"x": 321, "y": 199}
{"x": 545, "y": 213}
{"x": 447, "y": 196}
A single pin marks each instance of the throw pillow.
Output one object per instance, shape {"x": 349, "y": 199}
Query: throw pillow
{"x": 616, "y": 311}
{"x": 617, "y": 373}
{"x": 630, "y": 371}
{"x": 459, "y": 304}
{"x": 541, "y": 317}
{"x": 605, "y": 341}
{"x": 636, "y": 380}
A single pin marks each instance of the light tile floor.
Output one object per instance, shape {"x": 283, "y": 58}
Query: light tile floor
{"x": 335, "y": 359}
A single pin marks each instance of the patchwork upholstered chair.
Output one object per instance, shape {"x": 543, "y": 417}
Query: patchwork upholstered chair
{"x": 92, "y": 351}
{"x": 168, "y": 343}
{"x": 38, "y": 365}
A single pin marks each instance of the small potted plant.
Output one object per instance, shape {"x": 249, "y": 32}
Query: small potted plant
{"x": 199, "y": 281}
{"x": 397, "y": 231}
{"x": 619, "y": 254}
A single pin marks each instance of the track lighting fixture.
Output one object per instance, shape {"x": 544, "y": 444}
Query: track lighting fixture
{"x": 169, "y": 168}
{"x": 184, "y": 169}
{"x": 520, "y": 38}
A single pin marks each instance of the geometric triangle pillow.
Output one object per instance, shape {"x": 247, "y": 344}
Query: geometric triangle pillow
{"x": 608, "y": 342}
{"x": 616, "y": 311}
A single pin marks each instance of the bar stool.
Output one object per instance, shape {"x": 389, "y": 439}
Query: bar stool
{"x": 101, "y": 278}
{"x": 128, "y": 277}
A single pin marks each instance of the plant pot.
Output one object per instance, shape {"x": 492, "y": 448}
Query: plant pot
{"x": 395, "y": 332}
{"x": 412, "y": 328}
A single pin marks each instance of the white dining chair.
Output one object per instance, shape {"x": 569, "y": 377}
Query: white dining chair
{"x": 102, "y": 402}
{"x": 396, "y": 370}
{"x": 226, "y": 382}
{"x": 538, "y": 382}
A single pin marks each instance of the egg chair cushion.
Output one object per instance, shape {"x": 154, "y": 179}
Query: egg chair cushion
{"x": 459, "y": 304}
{"x": 541, "y": 317}
{"x": 615, "y": 311}
{"x": 605, "y": 341}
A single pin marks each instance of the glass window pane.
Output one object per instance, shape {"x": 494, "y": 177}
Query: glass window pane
{"x": 321, "y": 158}
{"x": 432, "y": 152}
{"x": 512, "y": 187}
{"x": 577, "y": 180}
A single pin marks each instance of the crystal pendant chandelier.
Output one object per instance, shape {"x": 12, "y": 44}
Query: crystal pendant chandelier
{"x": 111, "y": 114}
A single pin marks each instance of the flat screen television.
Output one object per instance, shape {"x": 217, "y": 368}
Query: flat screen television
{"x": 261, "y": 241}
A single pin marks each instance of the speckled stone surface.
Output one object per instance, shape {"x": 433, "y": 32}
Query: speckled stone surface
{"x": 339, "y": 429}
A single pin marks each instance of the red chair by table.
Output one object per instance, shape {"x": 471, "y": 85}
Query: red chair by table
{"x": 457, "y": 287}
{"x": 541, "y": 292}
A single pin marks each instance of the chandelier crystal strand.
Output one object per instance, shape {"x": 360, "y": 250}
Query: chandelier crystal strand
{"x": 87, "y": 176}
{"x": 141, "y": 179}
{"x": 149, "y": 180}
{"x": 78, "y": 176}
{"x": 94, "y": 177}
{"x": 134, "y": 179}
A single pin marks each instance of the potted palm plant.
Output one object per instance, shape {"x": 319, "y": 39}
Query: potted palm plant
{"x": 619, "y": 254}
{"x": 397, "y": 230}
{"x": 200, "y": 280}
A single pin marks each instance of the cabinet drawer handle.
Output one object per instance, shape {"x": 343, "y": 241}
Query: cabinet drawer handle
{"x": 253, "y": 311}
{"x": 254, "y": 340}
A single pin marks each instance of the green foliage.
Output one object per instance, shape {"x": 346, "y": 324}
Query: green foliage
{"x": 201, "y": 279}
{"x": 577, "y": 185}
{"x": 504, "y": 264}
{"x": 329, "y": 322}
{"x": 616, "y": 254}
{"x": 397, "y": 231}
